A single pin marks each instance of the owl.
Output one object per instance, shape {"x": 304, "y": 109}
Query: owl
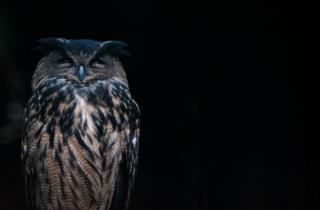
{"x": 80, "y": 137}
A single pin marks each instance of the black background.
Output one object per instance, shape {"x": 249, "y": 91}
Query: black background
{"x": 225, "y": 100}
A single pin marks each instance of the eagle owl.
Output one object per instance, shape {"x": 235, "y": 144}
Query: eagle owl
{"x": 81, "y": 130}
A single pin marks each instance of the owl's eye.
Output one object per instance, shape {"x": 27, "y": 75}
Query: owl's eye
{"x": 65, "y": 62}
{"x": 97, "y": 63}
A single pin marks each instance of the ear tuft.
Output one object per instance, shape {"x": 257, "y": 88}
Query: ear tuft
{"x": 47, "y": 45}
{"x": 114, "y": 48}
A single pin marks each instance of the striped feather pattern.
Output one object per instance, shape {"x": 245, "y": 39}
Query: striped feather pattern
{"x": 80, "y": 145}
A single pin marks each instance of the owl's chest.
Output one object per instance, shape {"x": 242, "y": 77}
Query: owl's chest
{"x": 84, "y": 115}
{"x": 91, "y": 115}
{"x": 86, "y": 108}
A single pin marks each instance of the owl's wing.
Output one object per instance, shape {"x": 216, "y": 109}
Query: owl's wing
{"x": 30, "y": 136}
{"x": 128, "y": 164}
{"x": 132, "y": 161}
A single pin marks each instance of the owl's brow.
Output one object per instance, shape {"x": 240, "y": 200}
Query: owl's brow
{"x": 82, "y": 53}
{"x": 62, "y": 52}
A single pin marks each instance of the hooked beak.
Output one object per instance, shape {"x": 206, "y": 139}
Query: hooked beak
{"x": 81, "y": 72}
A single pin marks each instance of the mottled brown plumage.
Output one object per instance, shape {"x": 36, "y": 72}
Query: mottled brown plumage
{"x": 80, "y": 139}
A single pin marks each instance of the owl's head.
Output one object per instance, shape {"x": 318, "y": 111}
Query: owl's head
{"x": 80, "y": 61}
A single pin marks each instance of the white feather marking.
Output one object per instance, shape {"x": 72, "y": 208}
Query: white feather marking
{"x": 134, "y": 141}
{"x": 85, "y": 114}
{"x": 81, "y": 69}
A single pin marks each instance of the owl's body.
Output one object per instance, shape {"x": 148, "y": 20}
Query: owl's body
{"x": 80, "y": 139}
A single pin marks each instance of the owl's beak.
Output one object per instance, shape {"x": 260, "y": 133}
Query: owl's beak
{"x": 81, "y": 72}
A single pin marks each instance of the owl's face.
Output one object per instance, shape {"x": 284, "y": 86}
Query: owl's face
{"x": 79, "y": 61}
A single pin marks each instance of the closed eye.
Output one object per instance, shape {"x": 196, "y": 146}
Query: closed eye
{"x": 97, "y": 63}
{"x": 65, "y": 62}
